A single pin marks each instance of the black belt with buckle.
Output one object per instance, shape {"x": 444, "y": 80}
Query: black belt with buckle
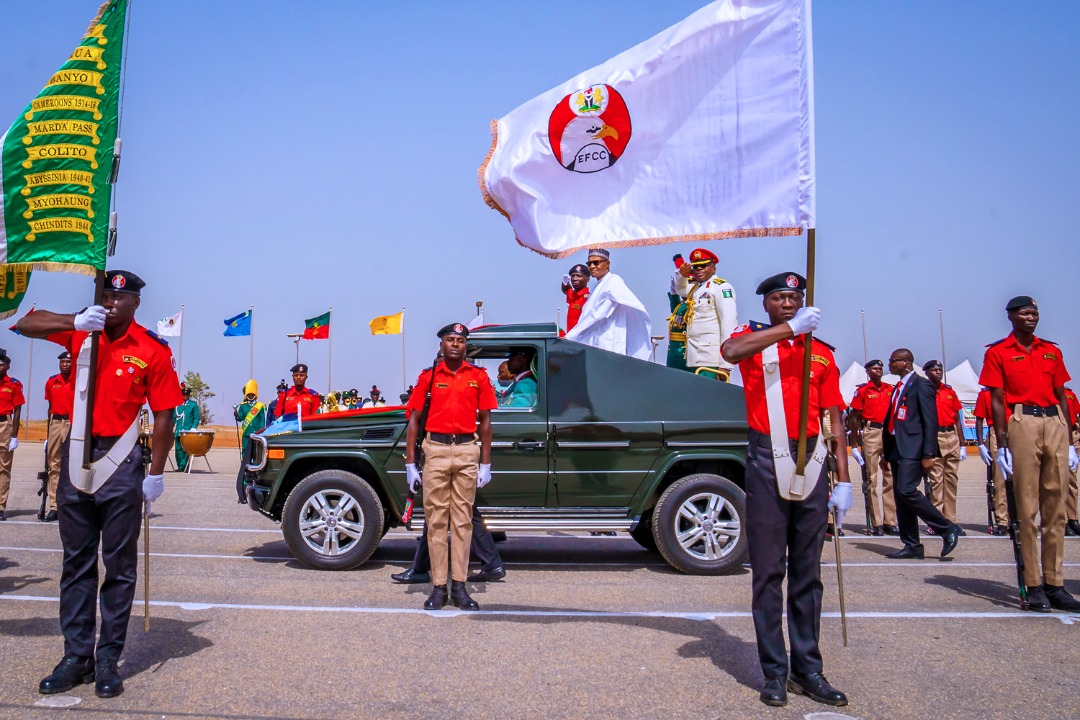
{"x": 764, "y": 440}
{"x": 55, "y": 416}
{"x": 946, "y": 428}
{"x": 5, "y": 418}
{"x": 1038, "y": 411}
{"x": 876, "y": 425}
{"x": 451, "y": 439}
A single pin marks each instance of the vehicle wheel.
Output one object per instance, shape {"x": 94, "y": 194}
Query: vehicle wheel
{"x": 697, "y": 525}
{"x": 333, "y": 520}
{"x": 643, "y": 533}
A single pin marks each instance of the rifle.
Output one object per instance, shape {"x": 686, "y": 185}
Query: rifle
{"x": 43, "y": 476}
{"x": 991, "y": 514}
{"x": 867, "y": 489}
{"x": 418, "y": 452}
{"x": 1014, "y": 535}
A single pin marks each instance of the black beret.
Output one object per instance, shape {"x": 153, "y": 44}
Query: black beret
{"x": 4, "y": 355}
{"x": 1021, "y": 301}
{"x": 874, "y": 362}
{"x": 782, "y": 281}
{"x": 931, "y": 364}
{"x": 299, "y": 367}
{"x": 64, "y": 356}
{"x": 454, "y": 329}
{"x": 124, "y": 281}
{"x": 579, "y": 268}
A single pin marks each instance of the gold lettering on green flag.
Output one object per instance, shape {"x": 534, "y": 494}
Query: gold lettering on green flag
{"x": 58, "y": 154}
{"x": 13, "y": 284}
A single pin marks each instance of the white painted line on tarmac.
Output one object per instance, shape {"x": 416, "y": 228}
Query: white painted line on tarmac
{"x": 705, "y": 616}
{"x": 162, "y": 527}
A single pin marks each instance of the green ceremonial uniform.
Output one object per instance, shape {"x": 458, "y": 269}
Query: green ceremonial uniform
{"x": 252, "y": 419}
{"x": 187, "y": 418}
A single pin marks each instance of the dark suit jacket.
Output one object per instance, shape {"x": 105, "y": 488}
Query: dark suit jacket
{"x": 916, "y": 432}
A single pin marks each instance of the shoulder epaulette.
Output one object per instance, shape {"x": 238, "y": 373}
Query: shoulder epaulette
{"x": 861, "y": 385}
{"x": 997, "y": 342}
{"x": 755, "y": 325}
{"x": 720, "y": 279}
{"x": 817, "y": 339}
{"x": 157, "y": 337}
{"x": 310, "y": 391}
{"x": 946, "y": 385}
{"x": 14, "y": 379}
{"x": 1049, "y": 341}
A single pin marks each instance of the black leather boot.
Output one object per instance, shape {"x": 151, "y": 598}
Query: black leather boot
{"x": 817, "y": 688}
{"x": 459, "y": 597}
{"x": 774, "y": 692}
{"x": 107, "y": 682}
{"x": 437, "y": 599}
{"x": 72, "y": 670}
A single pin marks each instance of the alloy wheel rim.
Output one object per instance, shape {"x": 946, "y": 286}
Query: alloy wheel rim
{"x": 707, "y": 526}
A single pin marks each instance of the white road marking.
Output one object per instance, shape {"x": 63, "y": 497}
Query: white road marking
{"x": 58, "y": 701}
{"x": 704, "y": 616}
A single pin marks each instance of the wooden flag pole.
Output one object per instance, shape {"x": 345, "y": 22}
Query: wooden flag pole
{"x": 944, "y": 364}
{"x": 30, "y": 382}
{"x": 99, "y": 295}
{"x": 180, "y": 349}
{"x": 865, "y": 354}
{"x": 804, "y": 401}
{"x": 146, "y": 570}
{"x": 329, "y": 349}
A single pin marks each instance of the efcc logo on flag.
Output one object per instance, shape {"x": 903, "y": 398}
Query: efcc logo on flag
{"x": 589, "y": 129}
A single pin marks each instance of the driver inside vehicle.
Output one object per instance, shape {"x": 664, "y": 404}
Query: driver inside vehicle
{"x": 523, "y": 388}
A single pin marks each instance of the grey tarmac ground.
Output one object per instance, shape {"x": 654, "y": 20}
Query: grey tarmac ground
{"x": 583, "y": 627}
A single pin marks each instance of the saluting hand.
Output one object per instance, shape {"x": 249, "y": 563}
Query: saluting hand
{"x": 484, "y": 476}
{"x": 91, "y": 319}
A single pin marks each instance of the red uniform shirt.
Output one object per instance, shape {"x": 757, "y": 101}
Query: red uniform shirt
{"x": 455, "y": 398}
{"x": 575, "y": 301}
{"x": 1074, "y": 406}
{"x": 60, "y": 394}
{"x": 824, "y": 384}
{"x": 872, "y": 401}
{"x": 11, "y": 395}
{"x": 135, "y": 368}
{"x": 307, "y": 400}
{"x": 1026, "y": 377}
{"x": 948, "y": 404}
{"x": 984, "y": 408}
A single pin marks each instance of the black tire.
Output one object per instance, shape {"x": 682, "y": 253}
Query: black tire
{"x": 719, "y": 533}
{"x": 643, "y": 533}
{"x": 356, "y": 533}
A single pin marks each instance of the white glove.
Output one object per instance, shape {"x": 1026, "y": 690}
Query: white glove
{"x": 14, "y": 443}
{"x": 565, "y": 279}
{"x": 858, "y": 456}
{"x": 90, "y": 319}
{"x": 963, "y": 453}
{"x": 1004, "y": 460}
{"x": 806, "y": 320}
{"x": 840, "y": 502}
{"x": 485, "y": 475}
{"x": 1073, "y": 459}
{"x": 984, "y": 453}
{"x": 152, "y": 487}
{"x": 412, "y": 476}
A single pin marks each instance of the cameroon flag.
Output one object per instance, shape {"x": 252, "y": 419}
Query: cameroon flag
{"x": 317, "y": 328}
{"x": 387, "y": 324}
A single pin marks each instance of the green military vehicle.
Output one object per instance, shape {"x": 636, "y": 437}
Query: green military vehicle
{"x": 609, "y": 443}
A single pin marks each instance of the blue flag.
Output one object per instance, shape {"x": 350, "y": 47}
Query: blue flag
{"x": 238, "y": 325}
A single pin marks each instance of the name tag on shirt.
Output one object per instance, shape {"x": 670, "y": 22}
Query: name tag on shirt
{"x": 901, "y": 414}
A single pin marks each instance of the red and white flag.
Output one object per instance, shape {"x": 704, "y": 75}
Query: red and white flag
{"x": 703, "y": 132}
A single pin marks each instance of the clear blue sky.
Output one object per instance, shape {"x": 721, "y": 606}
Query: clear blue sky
{"x": 305, "y": 155}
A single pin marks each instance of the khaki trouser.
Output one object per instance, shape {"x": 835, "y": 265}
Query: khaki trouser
{"x": 873, "y": 452}
{"x": 449, "y": 492}
{"x": 58, "y": 432}
{"x": 944, "y": 474}
{"x": 1001, "y": 503}
{"x": 1039, "y": 447}
{"x": 5, "y": 462}
{"x": 1070, "y": 496}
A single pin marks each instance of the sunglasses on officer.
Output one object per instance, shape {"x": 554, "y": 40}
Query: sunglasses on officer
{"x": 594, "y": 263}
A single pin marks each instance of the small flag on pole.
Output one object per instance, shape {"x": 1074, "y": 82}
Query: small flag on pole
{"x": 476, "y": 322}
{"x": 171, "y": 326}
{"x": 238, "y": 325}
{"x": 317, "y": 328}
{"x": 387, "y": 324}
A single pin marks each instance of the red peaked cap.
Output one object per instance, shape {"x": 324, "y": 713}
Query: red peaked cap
{"x": 701, "y": 256}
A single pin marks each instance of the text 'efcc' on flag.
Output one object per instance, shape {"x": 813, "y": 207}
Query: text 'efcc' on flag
{"x": 387, "y": 324}
{"x": 238, "y": 325}
{"x": 703, "y": 132}
{"x": 317, "y": 328}
{"x": 171, "y": 326}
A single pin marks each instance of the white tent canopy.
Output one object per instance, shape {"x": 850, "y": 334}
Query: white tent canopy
{"x": 965, "y": 382}
{"x": 854, "y": 376}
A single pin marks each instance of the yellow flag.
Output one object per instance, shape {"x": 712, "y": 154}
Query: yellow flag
{"x": 387, "y": 324}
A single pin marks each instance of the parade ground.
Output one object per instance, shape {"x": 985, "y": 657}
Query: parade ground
{"x": 582, "y": 627}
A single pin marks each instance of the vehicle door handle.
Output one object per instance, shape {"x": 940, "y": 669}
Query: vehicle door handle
{"x": 530, "y": 445}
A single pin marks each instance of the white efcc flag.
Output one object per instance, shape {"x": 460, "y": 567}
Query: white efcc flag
{"x": 703, "y": 132}
{"x": 171, "y": 326}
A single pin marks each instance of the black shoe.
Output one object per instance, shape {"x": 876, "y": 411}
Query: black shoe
{"x": 495, "y": 573}
{"x": 72, "y": 670}
{"x": 459, "y": 597}
{"x": 3, "y": 516}
{"x": 877, "y": 531}
{"x": 49, "y": 516}
{"x": 437, "y": 599}
{"x": 1000, "y": 530}
{"x": 949, "y": 539}
{"x": 411, "y": 576}
{"x": 908, "y": 553}
{"x": 963, "y": 533}
{"x": 774, "y": 692}
{"x": 1036, "y": 600}
{"x": 890, "y": 529}
{"x": 108, "y": 684}
{"x": 817, "y": 688}
{"x": 1072, "y": 528}
{"x": 1060, "y": 599}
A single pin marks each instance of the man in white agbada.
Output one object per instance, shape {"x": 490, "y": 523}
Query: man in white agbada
{"x": 613, "y": 318}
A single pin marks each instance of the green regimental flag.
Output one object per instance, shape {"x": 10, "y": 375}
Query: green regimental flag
{"x": 13, "y": 282}
{"x": 58, "y": 155}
